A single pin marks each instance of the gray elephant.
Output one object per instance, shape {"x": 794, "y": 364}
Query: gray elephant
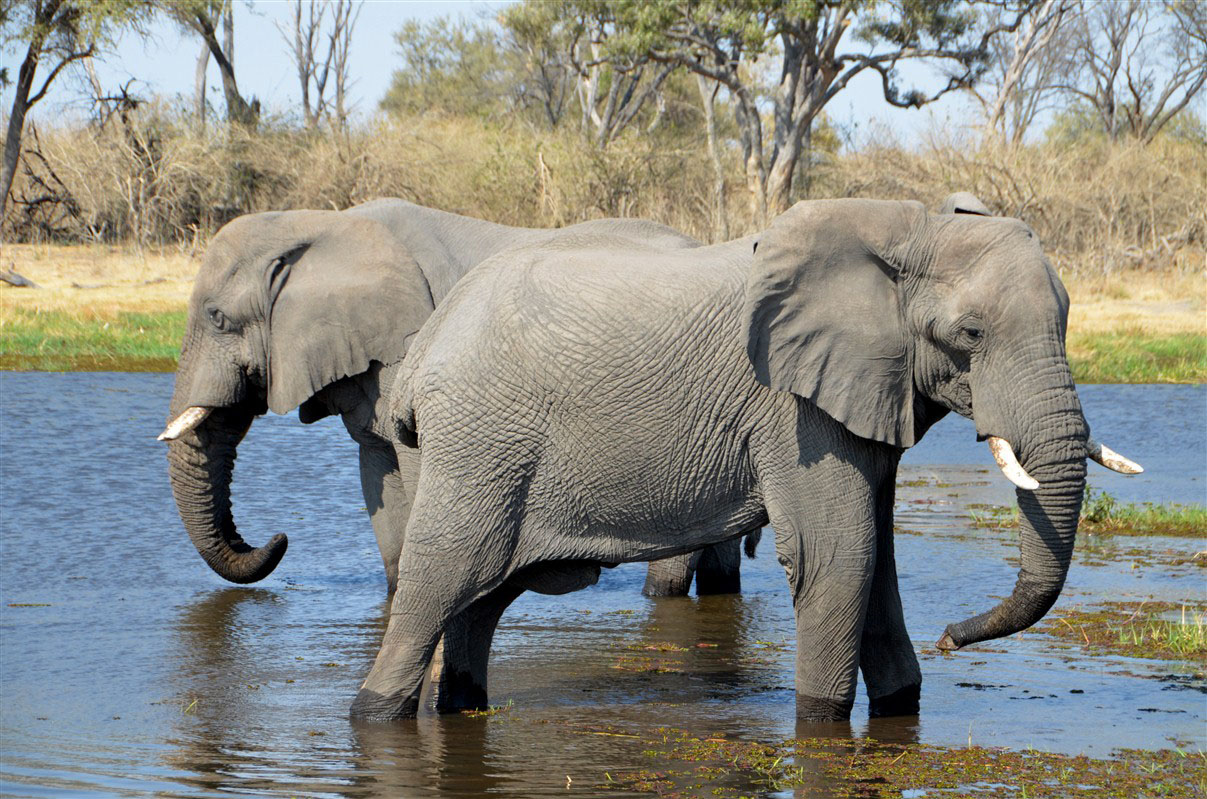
{"x": 774, "y": 379}
{"x": 360, "y": 282}
{"x": 717, "y": 569}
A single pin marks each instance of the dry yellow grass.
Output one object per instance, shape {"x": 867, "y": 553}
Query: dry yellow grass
{"x": 93, "y": 281}
{"x": 1154, "y": 303}
{"x": 97, "y": 280}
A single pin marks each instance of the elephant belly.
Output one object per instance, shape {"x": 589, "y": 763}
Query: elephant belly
{"x": 557, "y": 578}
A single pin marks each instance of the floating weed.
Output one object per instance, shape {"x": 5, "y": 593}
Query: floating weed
{"x": 490, "y": 712}
{"x": 1141, "y": 630}
{"x": 664, "y": 646}
{"x": 719, "y": 766}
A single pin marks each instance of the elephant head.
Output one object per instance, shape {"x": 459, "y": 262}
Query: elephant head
{"x": 284, "y": 305}
{"x": 887, "y": 317}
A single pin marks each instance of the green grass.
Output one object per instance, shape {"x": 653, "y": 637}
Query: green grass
{"x": 56, "y": 341}
{"x": 1157, "y": 630}
{"x": 1102, "y": 514}
{"x": 1134, "y": 357}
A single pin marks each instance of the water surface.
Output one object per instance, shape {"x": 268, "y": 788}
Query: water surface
{"x": 128, "y": 668}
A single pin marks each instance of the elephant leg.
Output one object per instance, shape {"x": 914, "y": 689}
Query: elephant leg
{"x": 890, "y": 667}
{"x": 720, "y": 569}
{"x": 457, "y": 550}
{"x": 387, "y": 481}
{"x": 825, "y": 537}
{"x": 671, "y": 576}
{"x": 458, "y": 675}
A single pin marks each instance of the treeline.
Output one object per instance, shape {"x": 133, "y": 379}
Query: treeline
{"x": 709, "y": 117}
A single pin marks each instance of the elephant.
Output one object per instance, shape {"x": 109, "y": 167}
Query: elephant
{"x": 774, "y": 378}
{"x": 314, "y": 310}
{"x": 716, "y": 569}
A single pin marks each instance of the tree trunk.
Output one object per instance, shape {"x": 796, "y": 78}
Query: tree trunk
{"x": 203, "y": 61}
{"x": 16, "y": 121}
{"x": 708, "y": 95}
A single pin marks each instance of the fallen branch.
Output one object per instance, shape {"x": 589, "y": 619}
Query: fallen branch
{"x": 13, "y": 279}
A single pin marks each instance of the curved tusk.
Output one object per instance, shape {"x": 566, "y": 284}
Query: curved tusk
{"x": 184, "y": 423}
{"x": 1111, "y": 459}
{"x": 1003, "y": 453}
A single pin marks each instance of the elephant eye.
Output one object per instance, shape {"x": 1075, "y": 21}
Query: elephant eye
{"x": 973, "y": 333}
{"x": 218, "y": 319}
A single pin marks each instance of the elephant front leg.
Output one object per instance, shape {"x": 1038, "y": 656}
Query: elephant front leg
{"x": 826, "y": 541}
{"x": 387, "y": 482}
{"x": 458, "y": 675}
{"x": 890, "y": 667}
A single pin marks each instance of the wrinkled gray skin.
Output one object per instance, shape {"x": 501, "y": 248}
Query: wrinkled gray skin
{"x": 315, "y": 309}
{"x": 717, "y": 569}
{"x": 728, "y": 386}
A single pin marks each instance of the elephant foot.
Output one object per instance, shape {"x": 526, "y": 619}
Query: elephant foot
{"x": 458, "y": 691}
{"x": 657, "y": 588}
{"x": 812, "y": 708}
{"x": 372, "y": 706}
{"x": 902, "y": 702}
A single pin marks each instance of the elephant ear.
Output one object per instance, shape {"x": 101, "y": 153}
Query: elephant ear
{"x": 350, "y": 295}
{"x": 825, "y": 315}
{"x": 964, "y": 202}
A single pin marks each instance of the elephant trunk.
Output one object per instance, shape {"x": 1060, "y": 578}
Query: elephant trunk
{"x": 1048, "y": 517}
{"x": 200, "y": 465}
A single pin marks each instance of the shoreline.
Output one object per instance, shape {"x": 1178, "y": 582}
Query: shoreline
{"x": 112, "y": 308}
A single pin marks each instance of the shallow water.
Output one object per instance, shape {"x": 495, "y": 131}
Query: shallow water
{"x": 128, "y": 668}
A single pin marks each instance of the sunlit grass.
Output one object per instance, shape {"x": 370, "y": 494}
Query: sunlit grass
{"x": 57, "y": 341}
{"x": 1137, "y": 357}
{"x": 1184, "y": 637}
{"x": 1103, "y": 514}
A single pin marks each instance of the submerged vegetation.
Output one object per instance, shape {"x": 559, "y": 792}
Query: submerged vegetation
{"x": 1155, "y": 630}
{"x": 687, "y": 766}
{"x": 1103, "y": 514}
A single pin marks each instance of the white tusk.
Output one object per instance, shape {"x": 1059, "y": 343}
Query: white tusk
{"x": 184, "y": 423}
{"x": 1003, "y": 453}
{"x": 1111, "y": 459}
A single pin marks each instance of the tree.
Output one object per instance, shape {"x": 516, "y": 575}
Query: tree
{"x": 319, "y": 46}
{"x": 797, "y": 43}
{"x": 58, "y": 33}
{"x": 204, "y": 17}
{"x": 1025, "y": 66}
{"x": 1139, "y": 63}
{"x": 449, "y": 65}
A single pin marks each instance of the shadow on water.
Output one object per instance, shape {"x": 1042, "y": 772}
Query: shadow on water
{"x": 126, "y": 668}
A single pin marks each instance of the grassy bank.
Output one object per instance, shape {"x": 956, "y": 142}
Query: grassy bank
{"x": 101, "y": 307}
{"x": 1102, "y": 514}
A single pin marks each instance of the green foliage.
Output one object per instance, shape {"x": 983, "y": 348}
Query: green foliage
{"x": 453, "y": 66}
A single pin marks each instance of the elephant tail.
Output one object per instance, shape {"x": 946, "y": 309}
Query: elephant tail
{"x": 752, "y": 542}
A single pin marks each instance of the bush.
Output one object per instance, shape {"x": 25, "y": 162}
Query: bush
{"x": 150, "y": 177}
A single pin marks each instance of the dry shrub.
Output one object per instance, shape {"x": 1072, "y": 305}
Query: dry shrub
{"x": 1098, "y": 206}
{"x": 150, "y": 177}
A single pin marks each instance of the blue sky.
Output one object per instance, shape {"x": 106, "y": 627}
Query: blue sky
{"x": 163, "y": 63}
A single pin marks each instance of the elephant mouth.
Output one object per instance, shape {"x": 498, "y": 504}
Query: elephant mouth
{"x": 184, "y": 423}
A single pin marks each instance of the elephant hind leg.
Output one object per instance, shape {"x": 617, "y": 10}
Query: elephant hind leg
{"x": 671, "y": 576}
{"x": 459, "y": 671}
{"x": 456, "y": 551}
